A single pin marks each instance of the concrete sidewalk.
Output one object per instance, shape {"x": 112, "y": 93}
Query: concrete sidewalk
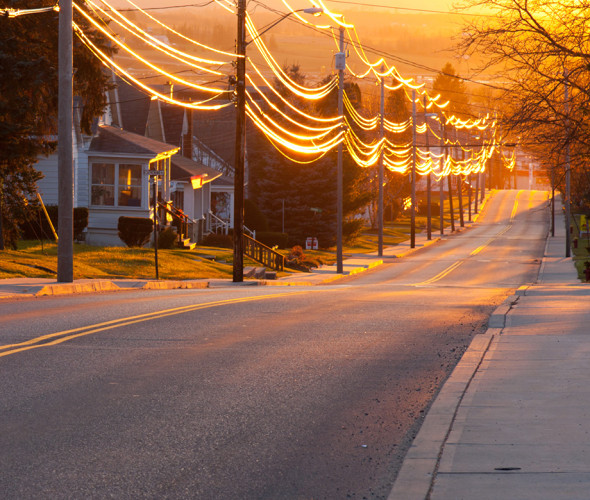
{"x": 513, "y": 420}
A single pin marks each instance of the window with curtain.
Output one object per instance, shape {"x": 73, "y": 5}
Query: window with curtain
{"x": 116, "y": 185}
{"x": 102, "y": 191}
{"x": 129, "y": 186}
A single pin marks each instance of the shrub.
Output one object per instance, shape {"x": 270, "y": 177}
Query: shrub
{"x": 80, "y": 221}
{"x": 298, "y": 260}
{"x": 37, "y": 226}
{"x": 135, "y": 231}
{"x": 167, "y": 238}
{"x": 217, "y": 240}
{"x": 272, "y": 238}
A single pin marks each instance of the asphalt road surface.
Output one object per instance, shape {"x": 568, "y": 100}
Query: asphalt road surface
{"x": 250, "y": 392}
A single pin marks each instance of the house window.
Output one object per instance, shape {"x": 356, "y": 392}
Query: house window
{"x": 129, "y": 186}
{"x": 103, "y": 184}
{"x": 116, "y": 185}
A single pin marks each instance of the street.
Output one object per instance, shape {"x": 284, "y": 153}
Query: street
{"x": 251, "y": 392}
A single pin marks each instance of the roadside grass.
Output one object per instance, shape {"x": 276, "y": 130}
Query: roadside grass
{"x": 581, "y": 251}
{"x": 39, "y": 260}
{"x": 36, "y": 259}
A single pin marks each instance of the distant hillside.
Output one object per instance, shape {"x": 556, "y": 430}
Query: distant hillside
{"x": 416, "y": 42}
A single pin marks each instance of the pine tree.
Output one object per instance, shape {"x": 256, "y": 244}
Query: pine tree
{"x": 308, "y": 190}
{"x": 397, "y": 186}
{"x": 28, "y": 102}
{"x": 452, "y": 88}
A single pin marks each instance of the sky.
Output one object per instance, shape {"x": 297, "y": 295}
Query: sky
{"x": 418, "y": 31}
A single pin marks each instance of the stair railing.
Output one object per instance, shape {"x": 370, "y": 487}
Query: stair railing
{"x": 185, "y": 221}
{"x": 263, "y": 254}
{"x": 216, "y": 224}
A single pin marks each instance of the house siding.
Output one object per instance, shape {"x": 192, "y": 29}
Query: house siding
{"x": 103, "y": 221}
{"x": 47, "y": 186}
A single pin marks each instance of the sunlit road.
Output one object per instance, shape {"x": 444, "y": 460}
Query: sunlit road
{"x": 250, "y": 392}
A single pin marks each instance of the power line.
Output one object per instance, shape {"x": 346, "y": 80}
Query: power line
{"x": 393, "y": 7}
{"x": 167, "y": 7}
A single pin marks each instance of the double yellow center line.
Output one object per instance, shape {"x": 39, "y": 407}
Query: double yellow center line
{"x": 63, "y": 336}
{"x": 454, "y": 266}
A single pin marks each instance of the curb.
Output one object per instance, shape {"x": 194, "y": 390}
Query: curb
{"x": 173, "y": 285}
{"x": 68, "y": 288}
{"x": 418, "y": 472}
{"x": 498, "y": 317}
{"x": 113, "y": 286}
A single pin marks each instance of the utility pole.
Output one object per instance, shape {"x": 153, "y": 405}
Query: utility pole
{"x": 567, "y": 168}
{"x": 65, "y": 156}
{"x": 156, "y": 225}
{"x": 450, "y": 185}
{"x": 381, "y": 172}
{"x": 483, "y": 172}
{"x": 469, "y": 195}
{"x": 413, "y": 175}
{"x": 340, "y": 66}
{"x": 240, "y": 145}
{"x": 552, "y": 202}
{"x": 452, "y": 213}
{"x": 1, "y": 209}
{"x": 460, "y": 183}
{"x": 428, "y": 180}
{"x": 476, "y": 199}
{"x": 441, "y": 186}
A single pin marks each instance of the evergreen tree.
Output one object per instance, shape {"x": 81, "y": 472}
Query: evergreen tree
{"x": 397, "y": 186}
{"x": 308, "y": 190}
{"x": 28, "y": 102}
{"x": 452, "y": 88}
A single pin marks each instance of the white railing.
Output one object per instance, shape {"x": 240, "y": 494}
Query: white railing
{"x": 251, "y": 232}
{"x": 216, "y": 224}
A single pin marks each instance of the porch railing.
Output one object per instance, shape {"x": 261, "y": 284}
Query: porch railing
{"x": 187, "y": 227}
{"x": 217, "y": 225}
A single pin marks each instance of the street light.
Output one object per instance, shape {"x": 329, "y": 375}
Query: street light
{"x": 340, "y": 66}
{"x": 240, "y": 144}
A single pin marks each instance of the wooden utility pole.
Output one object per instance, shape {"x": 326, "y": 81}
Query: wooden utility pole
{"x": 65, "y": 156}
{"x": 240, "y": 145}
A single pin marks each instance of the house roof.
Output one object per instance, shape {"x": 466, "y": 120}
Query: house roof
{"x": 173, "y": 120}
{"x": 225, "y": 181}
{"x": 183, "y": 169}
{"x": 134, "y": 105}
{"x": 115, "y": 140}
{"x": 217, "y": 130}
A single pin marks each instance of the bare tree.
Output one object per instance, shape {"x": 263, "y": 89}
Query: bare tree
{"x": 536, "y": 49}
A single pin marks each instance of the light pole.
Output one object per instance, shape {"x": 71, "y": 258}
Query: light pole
{"x": 381, "y": 172}
{"x": 428, "y": 177}
{"x": 441, "y": 188}
{"x": 340, "y": 66}
{"x": 413, "y": 175}
{"x": 240, "y": 142}
{"x": 567, "y": 170}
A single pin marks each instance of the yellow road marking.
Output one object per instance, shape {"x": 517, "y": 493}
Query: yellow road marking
{"x": 454, "y": 266}
{"x": 441, "y": 275}
{"x": 66, "y": 335}
{"x": 513, "y": 214}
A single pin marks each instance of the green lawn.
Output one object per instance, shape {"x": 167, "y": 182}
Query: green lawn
{"x": 35, "y": 259}
{"x": 580, "y": 250}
